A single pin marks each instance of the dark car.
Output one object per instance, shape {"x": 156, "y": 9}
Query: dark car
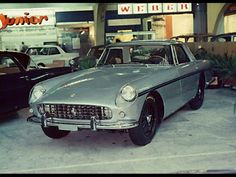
{"x": 225, "y": 37}
{"x": 90, "y": 59}
{"x": 193, "y": 37}
{"x": 17, "y": 78}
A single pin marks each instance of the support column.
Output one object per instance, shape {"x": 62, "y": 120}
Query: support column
{"x": 200, "y": 17}
{"x": 99, "y": 23}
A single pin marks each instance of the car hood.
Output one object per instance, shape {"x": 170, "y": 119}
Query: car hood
{"x": 95, "y": 84}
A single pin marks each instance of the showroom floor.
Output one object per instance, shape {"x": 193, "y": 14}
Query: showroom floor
{"x": 187, "y": 142}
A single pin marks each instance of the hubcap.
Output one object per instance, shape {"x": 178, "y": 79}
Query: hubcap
{"x": 149, "y": 119}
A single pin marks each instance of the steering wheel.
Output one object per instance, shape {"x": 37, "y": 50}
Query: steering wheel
{"x": 158, "y": 59}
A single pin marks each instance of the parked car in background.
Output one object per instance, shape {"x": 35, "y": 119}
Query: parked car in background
{"x": 90, "y": 59}
{"x": 17, "y": 78}
{"x": 46, "y": 54}
{"x": 225, "y": 37}
{"x": 193, "y": 38}
{"x": 134, "y": 86}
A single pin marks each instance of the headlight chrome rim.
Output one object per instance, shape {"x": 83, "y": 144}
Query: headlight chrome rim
{"x": 37, "y": 92}
{"x": 128, "y": 93}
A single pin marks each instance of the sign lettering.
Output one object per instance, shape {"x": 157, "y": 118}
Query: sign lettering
{"x": 144, "y": 8}
{"x": 140, "y": 8}
{"x": 21, "y": 20}
{"x": 154, "y": 7}
{"x": 125, "y": 9}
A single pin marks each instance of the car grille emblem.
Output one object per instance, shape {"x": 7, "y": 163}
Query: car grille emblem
{"x": 73, "y": 112}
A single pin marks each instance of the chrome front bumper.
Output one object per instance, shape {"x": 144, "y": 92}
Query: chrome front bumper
{"x": 74, "y": 125}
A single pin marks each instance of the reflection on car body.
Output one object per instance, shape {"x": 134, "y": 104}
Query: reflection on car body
{"x": 17, "y": 78}
{"x": 153, "y": 80}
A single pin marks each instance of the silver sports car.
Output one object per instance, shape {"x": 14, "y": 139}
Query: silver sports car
{"x": 134, "y": 86}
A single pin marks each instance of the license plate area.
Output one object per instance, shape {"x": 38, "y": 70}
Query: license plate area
{"x": 68, "y": 127}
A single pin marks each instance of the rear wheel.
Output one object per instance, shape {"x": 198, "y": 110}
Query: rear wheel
{"x": 54, "y": 132}
{"x": 149, "y": 122}
{"x": 197, "y": 101}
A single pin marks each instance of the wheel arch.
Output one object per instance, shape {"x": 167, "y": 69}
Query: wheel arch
{"x": 159, "y": 102}
{"x": 202, "y": 79}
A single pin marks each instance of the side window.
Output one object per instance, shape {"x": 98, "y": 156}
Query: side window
{"x": 181, "y": 55}
{"x": 168, "y": 55}
{"x": 115, "y": 56}
{"x": 44, "y": 51}
{"x": 8, "y": 66}
{"x": 32, "y": 51}
{"x": 53, "y": 51}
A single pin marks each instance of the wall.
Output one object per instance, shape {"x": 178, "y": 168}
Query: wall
{"x": 229, "y": 23}
{"x": 182, "y": 24}
{"x": 213, "y": 9}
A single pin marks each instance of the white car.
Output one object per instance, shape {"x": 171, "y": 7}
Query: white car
{"x": 48, "y": 54}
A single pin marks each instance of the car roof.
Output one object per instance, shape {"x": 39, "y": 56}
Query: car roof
{"x": 146, "y": 42}
{"x": 226, "y": 34}
{"x": 43, "y": 46}
{"x": 223, "y": 35}
{"x": 194, "y": 35}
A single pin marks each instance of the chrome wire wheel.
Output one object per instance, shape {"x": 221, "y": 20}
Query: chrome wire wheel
{"x": 197, "y": 101}
{"x": 149, "y": 122}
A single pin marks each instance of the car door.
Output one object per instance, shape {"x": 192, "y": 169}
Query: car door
{"x": 173, "y": 89}
{"x": 55, "y": 54}
{"x": 187, "y": 72}
{"x": 13, "y": 84}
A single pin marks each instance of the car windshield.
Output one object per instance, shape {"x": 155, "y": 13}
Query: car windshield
{"x": 95, "y": 51}
{"x": 140, "y": 54}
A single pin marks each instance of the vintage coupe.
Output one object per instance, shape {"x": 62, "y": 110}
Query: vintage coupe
{"x": 17, "y": 78}
{"x": 134, "y": 86}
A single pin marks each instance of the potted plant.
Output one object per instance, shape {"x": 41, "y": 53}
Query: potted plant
{"x": 225, "y": 68}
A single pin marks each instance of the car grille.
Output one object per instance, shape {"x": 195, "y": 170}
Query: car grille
{"x": 68, "y": 111}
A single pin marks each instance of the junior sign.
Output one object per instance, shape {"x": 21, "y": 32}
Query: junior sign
{"x": 144, "y": 8}
{"x": 27, "y": 17}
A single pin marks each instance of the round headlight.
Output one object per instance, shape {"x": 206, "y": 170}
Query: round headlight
{"x": 38, "y": 91}
{"x": 72, "y": 62}
{"x": 128, "y": 93}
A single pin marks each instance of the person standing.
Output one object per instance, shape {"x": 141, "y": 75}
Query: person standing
{"x": 23, "y": 47}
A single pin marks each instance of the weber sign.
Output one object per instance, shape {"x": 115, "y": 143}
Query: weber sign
{"x": 151, "y": 8}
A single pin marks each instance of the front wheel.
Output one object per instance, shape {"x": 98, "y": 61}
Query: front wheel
{"x": 54, "y": 132}
{"x": 149, "y": 122}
